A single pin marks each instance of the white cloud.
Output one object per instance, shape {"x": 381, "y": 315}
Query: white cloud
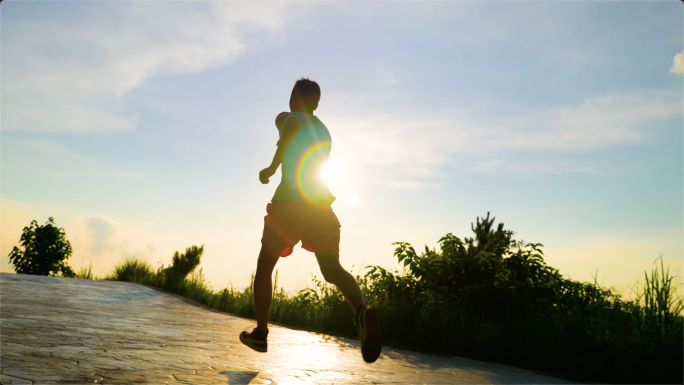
{"x": 678, "y": 64}
{"x": 104, "y": 242}
{"x": 402, "y": 150}
{"x": 408, "y": 149}
{"x": 68, "y": 68}
{"x": 97, "y": 239}
{"x": 615, "y": 119}
{"x": 511, "y": 166}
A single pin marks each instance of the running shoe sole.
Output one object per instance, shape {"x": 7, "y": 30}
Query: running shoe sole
{"x": 259, "y": 346}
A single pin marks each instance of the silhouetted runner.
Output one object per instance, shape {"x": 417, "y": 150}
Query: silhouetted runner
{"x": 300, "y": 210}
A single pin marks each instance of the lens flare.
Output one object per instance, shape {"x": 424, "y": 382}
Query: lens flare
{"x": 305, "y": 165}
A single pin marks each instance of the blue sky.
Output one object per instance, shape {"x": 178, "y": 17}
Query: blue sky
{"x": 141, "y": 127}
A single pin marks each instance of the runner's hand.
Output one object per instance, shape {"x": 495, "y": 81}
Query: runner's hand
{"x": 265, "y": 174}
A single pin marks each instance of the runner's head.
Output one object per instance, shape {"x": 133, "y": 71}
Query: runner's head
{"x": 305, "y": 95}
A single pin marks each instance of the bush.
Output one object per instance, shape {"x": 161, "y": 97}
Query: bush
{"x": 494, "y": 299}
{"x": 132, "y": 270}
{"x": 182, "y": 265}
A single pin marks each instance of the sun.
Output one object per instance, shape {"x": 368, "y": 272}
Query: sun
{"x": 333, "y": 174}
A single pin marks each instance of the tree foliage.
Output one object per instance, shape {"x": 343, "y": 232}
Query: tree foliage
{"x": 183, "y": 264}
{"x": 491, "y": 274}
{"x": 46, "y": 250}
{"x": 487, "y": 296}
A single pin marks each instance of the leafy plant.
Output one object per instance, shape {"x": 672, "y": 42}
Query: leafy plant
{"x": 182, "y": 265}
{"x": 46, "y": 250}
{"x": 132, "y": 270}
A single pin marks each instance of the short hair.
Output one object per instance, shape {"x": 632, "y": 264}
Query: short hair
{"x": 305, "y": 91}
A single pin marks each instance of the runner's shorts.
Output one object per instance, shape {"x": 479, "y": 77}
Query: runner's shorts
{"x": 290, "y": 222}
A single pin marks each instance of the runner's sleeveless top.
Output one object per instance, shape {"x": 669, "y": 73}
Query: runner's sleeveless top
{"x": 306, "y": 155}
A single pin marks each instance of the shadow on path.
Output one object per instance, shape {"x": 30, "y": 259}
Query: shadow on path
{"x": 238, "y": 378}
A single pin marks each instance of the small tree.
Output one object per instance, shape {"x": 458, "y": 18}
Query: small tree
{"x": 183, "y": 264}
{"x": 46, "y": 250}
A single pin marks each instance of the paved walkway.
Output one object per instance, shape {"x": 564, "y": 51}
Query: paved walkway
{"x": 57, "y": 330}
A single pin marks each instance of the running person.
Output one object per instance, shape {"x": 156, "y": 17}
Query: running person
{"x": 300, "y": 210}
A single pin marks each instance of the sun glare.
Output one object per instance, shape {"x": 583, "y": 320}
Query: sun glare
{"x": 333, "y": 174}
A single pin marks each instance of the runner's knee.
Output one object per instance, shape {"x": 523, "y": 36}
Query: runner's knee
{"x": 266, "y": 262}
{"x": 330, "y": 268}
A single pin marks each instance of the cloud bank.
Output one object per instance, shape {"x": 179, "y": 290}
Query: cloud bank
{"x": 69, "y": 70}
{"x": 411, "y": 149}
{"x": 95, "y": 239}
{"x": 104, "y": 242}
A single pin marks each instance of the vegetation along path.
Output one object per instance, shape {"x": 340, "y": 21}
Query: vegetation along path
{"x": 57, "y": 330}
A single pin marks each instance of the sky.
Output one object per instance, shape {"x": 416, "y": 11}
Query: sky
{"x": 141, "y": 128}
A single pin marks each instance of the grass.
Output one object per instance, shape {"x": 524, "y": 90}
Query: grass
{"x": 487, "y": 298}
{"x": 131, "y": 270}
{"x": 85, "y": 272}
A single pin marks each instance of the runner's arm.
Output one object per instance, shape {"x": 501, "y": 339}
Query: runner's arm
{"x": 292, "y": 128}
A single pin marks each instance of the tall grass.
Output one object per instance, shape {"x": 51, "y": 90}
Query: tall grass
{"x": 85, "y": 272}
{"x": 131, "y": 270}
{"x": 658, "y": 301}
{"x": 488, "y": 298}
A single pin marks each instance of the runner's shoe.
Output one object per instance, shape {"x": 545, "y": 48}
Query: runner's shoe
{"x": 368, "y": 326}
{"x": 255, "y": 340}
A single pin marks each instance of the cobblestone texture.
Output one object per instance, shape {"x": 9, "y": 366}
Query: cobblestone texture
{"x": 57, "y": 330}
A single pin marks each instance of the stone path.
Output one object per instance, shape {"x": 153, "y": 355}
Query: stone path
{"x": 57, "y": 330}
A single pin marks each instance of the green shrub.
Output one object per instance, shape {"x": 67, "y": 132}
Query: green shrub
{"x": 132, "y": 270}
{"x": 491, "y": 298}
